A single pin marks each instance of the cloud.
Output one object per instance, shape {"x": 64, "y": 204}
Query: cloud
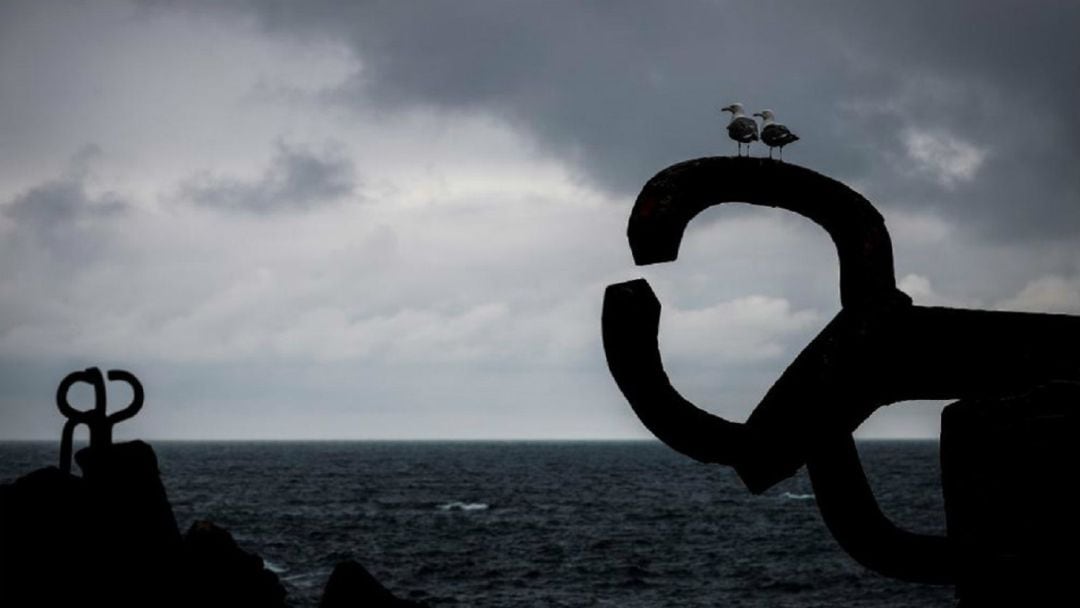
{"x": 296, "y": 179}
{"x": 923, "y": 294}
{"x": 501, "y": 145}
{"x": 744, "y": 331}
{"x": 622, "y": 93}
{"x": 56, "y": 204}
{"x": 946, "y": 158}
{"x": 62, "y": 217}
{"x": 922, "y": 229}
{"x": 1053, "y": 294}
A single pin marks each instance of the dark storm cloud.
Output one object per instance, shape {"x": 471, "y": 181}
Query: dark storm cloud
{"x": 53, "y": 209}
{"x": 623, "y": 89}
{"x": 60, "y": 223}
{"x": 1002, "y": 75}
{"x": 59, "y": 202}
{"x": 296, "y": 179}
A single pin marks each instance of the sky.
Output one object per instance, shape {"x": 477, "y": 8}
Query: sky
{"x": 396, "y": 220}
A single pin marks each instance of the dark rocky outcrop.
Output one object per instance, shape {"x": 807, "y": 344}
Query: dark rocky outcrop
{"x": 223, "y": 574}
{"x": 109, "y": 538}
{"x": 352, "y": 586}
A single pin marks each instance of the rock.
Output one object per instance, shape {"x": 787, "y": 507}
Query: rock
{"x": 352, "y": 586}
{"x": 108, "y": 538}
{"x": 220, "y": 573}
{"x": 132, "y": 509}
{"x": 41, "y": 538}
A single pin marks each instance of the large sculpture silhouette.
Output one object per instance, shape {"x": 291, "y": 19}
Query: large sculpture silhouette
{"x": 878, "y": 350}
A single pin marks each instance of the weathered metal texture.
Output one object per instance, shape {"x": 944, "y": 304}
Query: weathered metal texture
{"x": 879, "y": 349}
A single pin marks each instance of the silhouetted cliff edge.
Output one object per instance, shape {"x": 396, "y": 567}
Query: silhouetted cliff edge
{"x": 109, "y": 538}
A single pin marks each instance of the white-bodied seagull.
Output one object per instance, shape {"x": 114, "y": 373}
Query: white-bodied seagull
{"x": 774, "y": 134}
{"x": 742, "y": 128}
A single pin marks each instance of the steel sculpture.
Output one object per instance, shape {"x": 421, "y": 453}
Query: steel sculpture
{"x": 97, "y": 419}
{"x": 879, "y": 349}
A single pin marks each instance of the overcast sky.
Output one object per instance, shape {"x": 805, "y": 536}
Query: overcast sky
{"x": 396, "y": 219}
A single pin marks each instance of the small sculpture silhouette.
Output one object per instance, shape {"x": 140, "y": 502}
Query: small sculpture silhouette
{"x": 118, "y": 514}
{"x": 879, "y": 349}
{"x": 97, "y": 419}
{"x": 741, "y": 128}
{"x": 774, "y": 134}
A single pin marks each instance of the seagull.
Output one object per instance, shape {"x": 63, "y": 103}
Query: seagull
{"x": 742, "y": 128}
{"x": 774, "y": 134}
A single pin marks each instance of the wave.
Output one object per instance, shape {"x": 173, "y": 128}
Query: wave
{"x": 464, "y": 506}
{"x": 274, "y": 567}
{"x": 792, "y": 496}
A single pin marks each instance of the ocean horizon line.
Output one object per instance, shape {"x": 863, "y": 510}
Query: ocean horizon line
{"x": 422, "y": 440}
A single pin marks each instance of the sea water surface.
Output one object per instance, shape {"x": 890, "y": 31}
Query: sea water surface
{"x": 508, "y": 524}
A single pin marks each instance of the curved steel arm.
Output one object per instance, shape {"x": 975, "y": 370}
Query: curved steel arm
{"x": 137, "y": 395}
{"x": 631, "y": 321}
{"x": 674, "y": 196}
{"x": 851, "y": 512}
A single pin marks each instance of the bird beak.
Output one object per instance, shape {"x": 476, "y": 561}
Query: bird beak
{"x": 759, "y": 114}
{"x": 727, "y": 109}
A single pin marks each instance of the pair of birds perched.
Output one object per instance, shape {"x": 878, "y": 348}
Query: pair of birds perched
{"x": 744, "y": 129}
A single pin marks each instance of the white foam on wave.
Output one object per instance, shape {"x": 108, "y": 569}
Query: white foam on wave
{"x": 308, "y": 580}
{"x": 464, "y": 506}
{"x": 792, "y": 496}
{"x": 275, "y": 568}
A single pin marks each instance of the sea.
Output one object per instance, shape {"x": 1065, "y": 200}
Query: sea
{"x": 536, "y": 524}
